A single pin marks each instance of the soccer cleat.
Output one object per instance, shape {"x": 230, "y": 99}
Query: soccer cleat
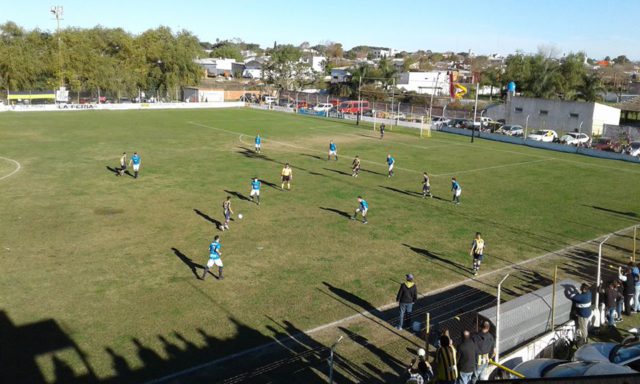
{"x": 220, "y": 275}
{"x": 365, "y": 222}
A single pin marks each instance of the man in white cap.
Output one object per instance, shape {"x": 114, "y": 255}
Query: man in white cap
{"x": 406, "y": 297}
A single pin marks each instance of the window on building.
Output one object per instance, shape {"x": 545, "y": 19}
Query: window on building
{"x": 518, "y": 110}
{"x": 544, "y": 112}
{"x": 574, "y": 115}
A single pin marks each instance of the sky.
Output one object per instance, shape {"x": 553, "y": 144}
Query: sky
{"x": 599, "y": 28}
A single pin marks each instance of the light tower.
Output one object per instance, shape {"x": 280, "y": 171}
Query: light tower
{"x": 57, "y": 11}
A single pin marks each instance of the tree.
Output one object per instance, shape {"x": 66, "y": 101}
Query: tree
{"x": 334, "y": 51}
{"x": 284, "y": 69}
{"x": 227, "y": 51}
{"x": 573, "y": 72}
{"x": 621, "y": 60}
{"x": 592, "y": 88}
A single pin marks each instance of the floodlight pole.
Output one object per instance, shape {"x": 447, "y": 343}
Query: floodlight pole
{"x": 57, "y": 12}
{"x": 475, "y": 114}
{"x": 435, "y": 89}
{"x": 497, "y": 357}
{"x": 597, "y": 322}
{"x": 333, "y": 347}
{"x": 526, "y": 125}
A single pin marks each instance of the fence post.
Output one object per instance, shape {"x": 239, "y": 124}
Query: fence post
{"x": 427, "y": 331}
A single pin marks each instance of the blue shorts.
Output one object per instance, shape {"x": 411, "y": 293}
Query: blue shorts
{"x": 478, "y": 257}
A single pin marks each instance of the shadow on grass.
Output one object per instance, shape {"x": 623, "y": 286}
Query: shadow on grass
{"x": 117, "y": 173}
{"x": 609, "y": 210}
{"x": 270, "y": 184}
{"x": 210, "y": 219}
{"x": 337, "y": 171}
{"x": 373, "y": 172}
{"x": 313, "y": 156}
{"x": 238, "y": 195}
{"x": 443, "y": 262}
{"x": 339, "y": 212}
{"x": 188, "y": 262}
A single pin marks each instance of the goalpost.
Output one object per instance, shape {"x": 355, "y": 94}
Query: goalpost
{"x": 426, "y": 120}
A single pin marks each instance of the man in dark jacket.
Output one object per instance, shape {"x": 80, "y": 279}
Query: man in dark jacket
{"x": 467, "y": 358}
{"x": 486, "y": 345}
{"x": 628, "y": 288}
{"x": 406, "y": 297}
{"x": 611, "y": 295}
{"x": 582, "y": 301}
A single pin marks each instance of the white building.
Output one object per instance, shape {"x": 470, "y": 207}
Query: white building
{"x": 433, "y": 82}
{"x": 217, "y": 66}
{"x": 561, "y": 116}
{"x": 379, "y": 53}
{"x": 202, "y": 95}
{"x": 316, "y": 62}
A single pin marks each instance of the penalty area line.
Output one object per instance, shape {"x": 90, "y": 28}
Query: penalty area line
{"x": 17, "y": 164}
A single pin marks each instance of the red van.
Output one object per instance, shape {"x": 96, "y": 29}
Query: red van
{"x": 353, "y": 106}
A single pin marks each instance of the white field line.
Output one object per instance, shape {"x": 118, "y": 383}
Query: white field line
{"x": 18, "y": 167}
{"x": 365, "y": 314}
{"x": 494, "y": 167}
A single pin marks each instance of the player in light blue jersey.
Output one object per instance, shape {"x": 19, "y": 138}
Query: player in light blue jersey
{"x": 136, "y": 161}
{"x": 214, "y": 258}
{"x": 456, "y": 189}
{"x": 255, "y": 190}
{"x": 390, "y": 162}
{"x": 258, "y": 143}
{"x": 363, "y": 208}
{"x": 333, "y": 150}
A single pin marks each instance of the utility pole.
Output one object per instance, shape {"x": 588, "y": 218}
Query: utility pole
{"x": 435, "y": 89}
{"x": 57, "y": 11}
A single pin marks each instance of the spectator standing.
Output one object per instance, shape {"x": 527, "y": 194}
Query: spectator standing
{"x": 582, "y": 301}
{"x": 611, "y": 295}
{"x": 486, "y": 345}
{"x": 636, "y": 278}
{"x": 406, "y": 297}
{"x": 628, "y": 287}
{"x": 467, "y": 358}
{"x": 446, "y": 365}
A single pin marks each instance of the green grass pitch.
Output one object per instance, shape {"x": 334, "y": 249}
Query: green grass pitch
{"x": 109, "y": 259}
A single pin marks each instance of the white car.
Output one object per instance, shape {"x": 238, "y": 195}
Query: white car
{"x": 512, "y": 130}
{"x": 438, "y": 121}
{"x": 545, "y": 135}
{"x": 634, "y": 148}
{"x": 575, "y": 138}
{"x": 620, "y": 354}
{"x": 323, "y": 107}
{"x": 539, "y": 368}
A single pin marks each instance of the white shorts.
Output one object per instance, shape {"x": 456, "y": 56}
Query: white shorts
{"x": 213, "y": 262}
{"x": 391, "y": 167}
{"x": 136, "y": 167}
{"x": 335, "y": 153}
{"x": 458, "y": 191}
{"x": 257, "y": 145}
{"x": 363, "y": 211}
{"x": 255, "y": 192}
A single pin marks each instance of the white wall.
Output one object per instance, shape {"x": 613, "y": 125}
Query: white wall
{"x": 604, "y": 114}
{"x": 425, "y": 82}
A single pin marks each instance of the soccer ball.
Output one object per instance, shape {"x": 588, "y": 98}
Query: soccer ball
{"x": 240, "y": 216}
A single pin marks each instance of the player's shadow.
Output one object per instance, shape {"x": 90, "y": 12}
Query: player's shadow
{"x": 339, "y": 212}
{"x": 312, "y": 156}
{"x": 373, "y": 172}
{"x": 442, "y": 261}
{"x": 404, "y": 192}
{"x": 207, "y": 217}
{"x": 115, "y": 171}
{"x": 337, "y": 171}
{"x": 188, "y": 262}
{"x": 622, "y": 213}
{"x": 272, "y": 185}
{"x": 238, "y": 195}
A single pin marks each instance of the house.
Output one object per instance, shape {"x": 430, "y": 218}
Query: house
{"x": 340, "y": 75}
{"x": 379, "y": 53}
{"x": 433, "y": 82}
{"x": 315, "y": 62}
{"x": 559, "y": 115}
{"x": 252, "y": 69}
{"x": 220, "y": 67}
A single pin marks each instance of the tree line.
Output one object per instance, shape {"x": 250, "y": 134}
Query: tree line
{"x": 106, "y": 60}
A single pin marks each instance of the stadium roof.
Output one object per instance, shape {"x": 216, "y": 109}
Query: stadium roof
{"x": 632, "y": 105}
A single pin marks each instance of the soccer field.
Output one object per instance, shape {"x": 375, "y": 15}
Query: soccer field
{"x": 111, "y": 261}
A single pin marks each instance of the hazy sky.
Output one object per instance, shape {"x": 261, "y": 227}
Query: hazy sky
{"x": 599, "y": 28}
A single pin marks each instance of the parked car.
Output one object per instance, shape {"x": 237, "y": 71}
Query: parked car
{"x": 546, "y": 135}
{"x": 547, "y": 368}
{"x": 622, "y": 354}
{"x": 323, "y": 107}
{"x": 603, "y": 144}
{"x": 511, "y": 130}
{"x": 397, "y": 116}
{"x": 302, "y": 105}
{"x": 634, "y": 148}
{"x": 438, "y": 121}
{"x": 575, "y": 138}
{"x": 269, "y": 99}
